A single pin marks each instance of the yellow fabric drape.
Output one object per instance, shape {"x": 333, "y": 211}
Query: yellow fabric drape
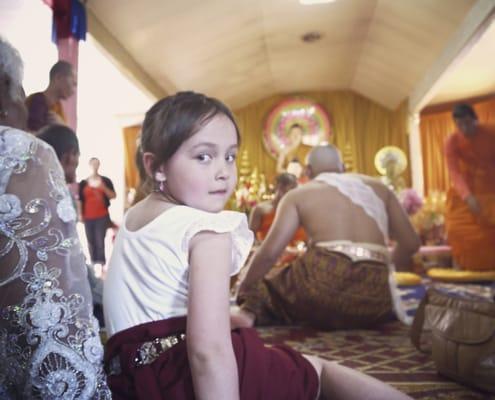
{"x": 434, "y": 129}
{"x": 364, "y": 125}
{"x": 130, "y": 135}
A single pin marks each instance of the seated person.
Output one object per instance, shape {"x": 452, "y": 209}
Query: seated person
{"x": 66, "y": 145}
{"x": 49, "y": 340}
{"x": 166, "y": 295}
{"x": 342, "y": 280}
{"x": 263, "y": 214}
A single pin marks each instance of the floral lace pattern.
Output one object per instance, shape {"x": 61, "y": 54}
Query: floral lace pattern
{"x": 49, "y": 342}
{"x": 360, "y": 194}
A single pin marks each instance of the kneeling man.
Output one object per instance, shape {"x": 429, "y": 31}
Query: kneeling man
{"x": 341, "y": 282}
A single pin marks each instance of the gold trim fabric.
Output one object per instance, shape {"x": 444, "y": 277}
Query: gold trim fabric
{"x": 323, "y": 289}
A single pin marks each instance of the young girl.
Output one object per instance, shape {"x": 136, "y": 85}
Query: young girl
{"x": 166, "y": 296}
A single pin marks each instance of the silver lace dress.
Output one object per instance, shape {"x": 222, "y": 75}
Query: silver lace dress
{"x": 49, "y": 342}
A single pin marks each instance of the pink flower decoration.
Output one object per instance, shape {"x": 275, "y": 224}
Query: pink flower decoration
{"x": 410, "y": 200}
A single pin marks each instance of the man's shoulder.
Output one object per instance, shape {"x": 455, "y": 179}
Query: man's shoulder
{"x": 371, "y": 181}
{"x": 453, "y": 137}
{"x": 35, "y": 97}
{"x": 107, "y": 182}
{"x": 306, "y": 190}
{"x": 489, "y": 129}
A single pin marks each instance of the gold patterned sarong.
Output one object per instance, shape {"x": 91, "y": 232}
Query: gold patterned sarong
{"x": 335, "y": 285}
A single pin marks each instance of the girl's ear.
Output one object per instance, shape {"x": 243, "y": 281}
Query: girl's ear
{"x": 148, "y": 161}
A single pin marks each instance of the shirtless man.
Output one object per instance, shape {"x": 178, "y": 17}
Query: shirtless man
{"x": 342, "y": 280}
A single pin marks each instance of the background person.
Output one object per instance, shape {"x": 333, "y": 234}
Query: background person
{"x": 45, "y": 107}
{"x": 341, "y": 282}
{"x": 95, "y": 193}
{"x": 171, "y": 269}
{"x": 49, "y": 339}
{"x": 470, "y": 207}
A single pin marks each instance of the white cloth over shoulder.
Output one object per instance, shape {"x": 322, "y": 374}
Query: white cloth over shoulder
{"x": 49, "y": 341}
{"x": 360, "y": 194}
{"x": 148, "y": 271}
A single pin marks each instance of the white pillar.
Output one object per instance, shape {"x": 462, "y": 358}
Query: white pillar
{"x": 415, "y": 153}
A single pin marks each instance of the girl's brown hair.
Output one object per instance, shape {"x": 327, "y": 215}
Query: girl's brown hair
{"x": 174, "y": 119}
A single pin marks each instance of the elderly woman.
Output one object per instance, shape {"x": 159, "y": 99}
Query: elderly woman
{"x": 49, "y": 342}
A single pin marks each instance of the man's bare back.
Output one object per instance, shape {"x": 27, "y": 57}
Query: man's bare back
{"x": 326, "y": 214}
{"x": 332, "y": 207}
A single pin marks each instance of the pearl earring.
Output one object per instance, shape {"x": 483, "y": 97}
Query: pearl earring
{"x": 160, "y": 178}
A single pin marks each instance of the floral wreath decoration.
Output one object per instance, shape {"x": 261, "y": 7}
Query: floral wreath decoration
{"x": 313, "y": 119}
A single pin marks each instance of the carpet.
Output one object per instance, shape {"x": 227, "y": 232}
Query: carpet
{"x": 385, "y": 353}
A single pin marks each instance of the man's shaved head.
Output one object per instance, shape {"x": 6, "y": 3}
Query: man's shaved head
{"x": 324, "y": 159}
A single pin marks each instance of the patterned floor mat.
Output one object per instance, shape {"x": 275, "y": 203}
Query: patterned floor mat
{"x": 386, "y": 353}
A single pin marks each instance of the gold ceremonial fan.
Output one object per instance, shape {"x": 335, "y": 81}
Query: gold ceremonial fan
{"x": 390, "y": 154}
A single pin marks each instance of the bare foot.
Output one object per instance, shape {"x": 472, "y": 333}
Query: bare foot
{"x": 241, "y": 318}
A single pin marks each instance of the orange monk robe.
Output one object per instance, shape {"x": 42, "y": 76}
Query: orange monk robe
{"x": 41, "y": 114}
{"x": 288, "y": 255}
{"x": 266, "y": 222}
{"x": 471, "y": 164}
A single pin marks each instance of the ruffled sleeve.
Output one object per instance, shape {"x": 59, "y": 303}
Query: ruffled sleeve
{"x": 223, "y": 222}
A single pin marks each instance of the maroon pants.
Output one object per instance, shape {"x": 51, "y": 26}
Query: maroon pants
{"x": 277, "y": 372}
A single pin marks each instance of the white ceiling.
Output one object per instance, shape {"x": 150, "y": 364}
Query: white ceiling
{"x": 473, "y": 74}
{"x": 244, "y": 50}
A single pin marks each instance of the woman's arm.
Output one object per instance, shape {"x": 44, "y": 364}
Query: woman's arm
{"x": 107, "y": 187}
{"x": 209, "y": 343}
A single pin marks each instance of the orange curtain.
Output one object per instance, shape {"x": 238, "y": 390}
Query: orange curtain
{"x": 130, "y": 136}
{"x": 434, "y": 129}
{"x": 359, "y": 125}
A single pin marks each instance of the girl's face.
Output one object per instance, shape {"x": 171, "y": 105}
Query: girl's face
{"x": 202, "y": 173}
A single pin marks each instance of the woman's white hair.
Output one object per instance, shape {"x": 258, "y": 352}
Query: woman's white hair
{"x": 11, "y": 65}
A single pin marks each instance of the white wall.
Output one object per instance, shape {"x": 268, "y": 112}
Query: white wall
{"x": 107, "y": 100}
{"x": 27, "y": 25}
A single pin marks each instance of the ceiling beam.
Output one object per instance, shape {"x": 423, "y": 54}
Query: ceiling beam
{"x": 122, "y": 59}
{"x": 474, "y": 25}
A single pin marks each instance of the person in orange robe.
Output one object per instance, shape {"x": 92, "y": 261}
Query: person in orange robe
{"x": 262, "y": 216}
{"x": 45, "y": 108}
{"x": 470, "y": 208}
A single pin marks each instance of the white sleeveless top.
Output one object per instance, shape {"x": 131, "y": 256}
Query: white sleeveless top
{"x": 148, "y": 270}
{"x": 360, "y": 194}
